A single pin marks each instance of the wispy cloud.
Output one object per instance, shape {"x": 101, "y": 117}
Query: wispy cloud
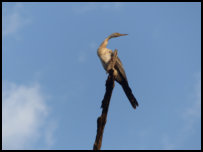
{"x": 93, "y": 46}
{"x": 49, "y": 136}
{"x": 82, "y": 57}
{"x": 191, "y": 116}
{"x": 25, "y": 113}
{"x": 13, "y": 19}
{"x": 193, "y": 113}
{"x": 94, "y": 6}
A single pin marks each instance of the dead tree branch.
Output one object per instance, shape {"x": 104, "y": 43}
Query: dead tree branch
{"x": 101, "y": 121}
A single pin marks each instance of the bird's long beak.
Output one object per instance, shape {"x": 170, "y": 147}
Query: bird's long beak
{"x": 123, "y": 34}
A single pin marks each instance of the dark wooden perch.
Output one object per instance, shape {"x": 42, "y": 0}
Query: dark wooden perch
{"x": 101, "y": 121}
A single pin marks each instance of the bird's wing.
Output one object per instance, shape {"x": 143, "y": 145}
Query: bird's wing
{"x": 122, "y": 79}
{"x": 121, "y": 71}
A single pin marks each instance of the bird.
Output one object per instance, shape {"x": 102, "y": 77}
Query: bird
{"x": 105, "y": 55}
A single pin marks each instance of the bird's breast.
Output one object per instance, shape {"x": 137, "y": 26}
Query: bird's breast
{"x": 105, "y": 56}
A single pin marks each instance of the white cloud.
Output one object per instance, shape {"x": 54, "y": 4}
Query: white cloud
{"x": 191, "y": 116}
{"x": 197, "y": 106}
{"x": 25, "y": 113}
{"x": 92, "y": 6}
{"x": 193, "y": 113}
{"x": 167, "y": 144}
{"x": 93, "y": 46}
{"x": 13, "y": 19}
{"x": 112, "y": 5}
{"x": 49, "y": 136}
{"x": 82, "y": 57}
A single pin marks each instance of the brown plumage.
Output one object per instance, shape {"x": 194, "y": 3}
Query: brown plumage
{"x": 105, "y": 56}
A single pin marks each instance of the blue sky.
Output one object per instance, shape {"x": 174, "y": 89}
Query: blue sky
{"x": 53, "y": 81}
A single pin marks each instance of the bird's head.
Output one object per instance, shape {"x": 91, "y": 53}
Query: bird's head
{"x": 116, "y": 35}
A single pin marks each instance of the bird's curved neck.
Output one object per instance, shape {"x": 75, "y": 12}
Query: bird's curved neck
{"x": 105, "y": 43}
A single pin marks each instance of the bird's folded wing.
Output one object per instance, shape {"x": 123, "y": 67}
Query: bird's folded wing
{"x": 121, "y": 71}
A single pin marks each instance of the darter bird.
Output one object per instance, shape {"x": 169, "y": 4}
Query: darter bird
{"x": 105, "y": 55}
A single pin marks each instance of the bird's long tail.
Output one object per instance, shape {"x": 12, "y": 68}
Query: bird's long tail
{"x": 129, "y": 93}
